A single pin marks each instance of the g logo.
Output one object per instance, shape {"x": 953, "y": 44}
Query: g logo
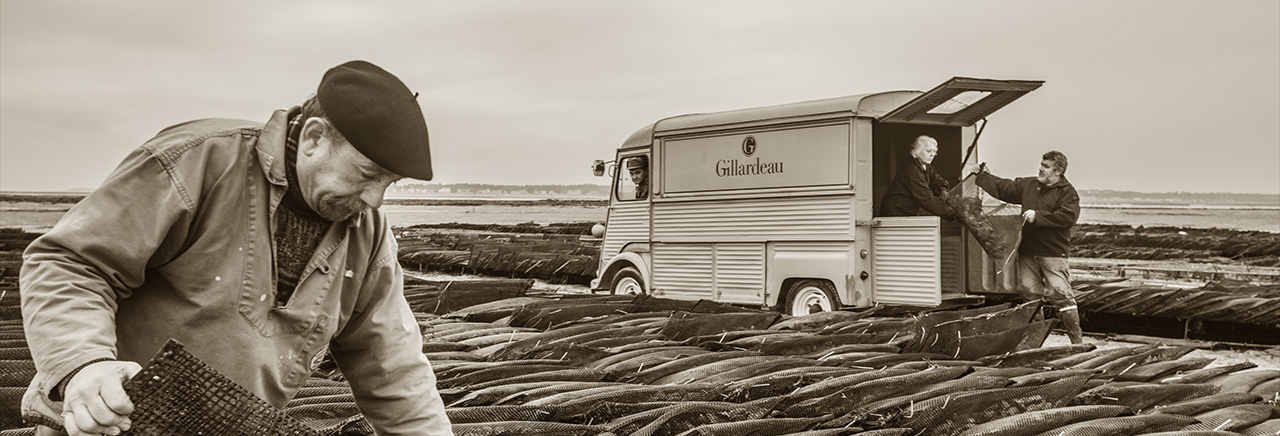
{"x": 749, "y": 145}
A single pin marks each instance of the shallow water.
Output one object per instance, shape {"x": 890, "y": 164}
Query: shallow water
{"x": 402, "y": 216}
{"x": 1267, "y": 220}
{"x": 41, "y": 217}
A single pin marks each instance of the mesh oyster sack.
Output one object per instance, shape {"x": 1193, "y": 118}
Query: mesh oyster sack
{"x": 175, "y": 393}
{"x": 997, "y": 228}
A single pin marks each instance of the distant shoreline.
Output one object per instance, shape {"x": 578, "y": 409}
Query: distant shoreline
{"x": 511, "y": 200}
{"x": 461, "y": 201}
{"x": 1179, "y": 206}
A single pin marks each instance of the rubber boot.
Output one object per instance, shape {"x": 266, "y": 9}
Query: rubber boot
{"x": 1071, "y": 321}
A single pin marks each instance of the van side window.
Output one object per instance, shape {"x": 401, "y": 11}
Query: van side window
{"x": 633, "y": 182}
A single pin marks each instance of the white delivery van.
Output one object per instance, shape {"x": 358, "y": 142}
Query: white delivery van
{"x": 776, "y": 206}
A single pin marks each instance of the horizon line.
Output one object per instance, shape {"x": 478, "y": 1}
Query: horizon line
{"x": 83, "y": 191}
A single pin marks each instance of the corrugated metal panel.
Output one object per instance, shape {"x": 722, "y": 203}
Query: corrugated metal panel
{"x": 683, "y": 271}
{"x": 755, "y": 219}
{"x": 739, "y": 273}
{"x": 811, "y": 247}
{"x": 906, "y": 264}
{"x": 628, "y": 222}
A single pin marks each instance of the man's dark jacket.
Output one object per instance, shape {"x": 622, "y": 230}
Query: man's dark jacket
{"x": 1057, "y": 207}
{"x": 913, "y": 188}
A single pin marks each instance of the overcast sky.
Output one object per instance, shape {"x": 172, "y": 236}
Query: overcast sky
{"x": 1154, "y": 96}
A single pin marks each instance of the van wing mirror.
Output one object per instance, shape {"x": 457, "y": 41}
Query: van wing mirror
{"x": 597, "y": 167}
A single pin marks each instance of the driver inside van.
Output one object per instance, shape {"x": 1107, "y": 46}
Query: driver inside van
{"x": 638, "y": 167}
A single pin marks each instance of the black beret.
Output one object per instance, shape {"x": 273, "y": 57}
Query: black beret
{"x": 379, "y": 116}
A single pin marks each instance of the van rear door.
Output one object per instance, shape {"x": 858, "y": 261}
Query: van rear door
{"x": 907, "y": 260}
{"x": 960, "y": 101}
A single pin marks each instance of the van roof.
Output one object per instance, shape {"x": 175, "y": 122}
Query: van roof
{"x": 960, "y": 101}
{"x": 864, "y": 105}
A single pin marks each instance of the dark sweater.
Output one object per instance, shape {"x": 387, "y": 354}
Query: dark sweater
{"x": 299, "y": 229}
{"x": 914, "y": 188}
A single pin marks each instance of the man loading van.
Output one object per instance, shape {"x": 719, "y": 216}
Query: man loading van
{"x": 1050, "y": 207}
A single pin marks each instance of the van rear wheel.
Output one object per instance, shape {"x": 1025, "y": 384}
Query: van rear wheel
{"x": 811, "y": 296}
{"x": 627, "y": 282}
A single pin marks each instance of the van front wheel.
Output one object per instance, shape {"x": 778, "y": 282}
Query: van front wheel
{"x": 627, "y": 282}
{"x": 811, "y": 296}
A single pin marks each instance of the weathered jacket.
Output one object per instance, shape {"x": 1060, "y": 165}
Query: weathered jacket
{"x": 1057, "y": 207}
{"x": 915, "y": 188}
{"x": 177, "y": 242}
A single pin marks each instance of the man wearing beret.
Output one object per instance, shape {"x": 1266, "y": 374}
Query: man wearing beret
{"x": 256, "y": 246}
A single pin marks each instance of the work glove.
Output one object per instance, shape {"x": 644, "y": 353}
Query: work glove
{"x": 973, "y": 170}
{"x": 95, "y": 403}
{"x": 1029, "y": 216}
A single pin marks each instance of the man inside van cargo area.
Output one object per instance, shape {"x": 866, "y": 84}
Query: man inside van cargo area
{"x": 916, "y": 187}
{"x": 258, "y": 246}
{"x": 1050, "y": 207}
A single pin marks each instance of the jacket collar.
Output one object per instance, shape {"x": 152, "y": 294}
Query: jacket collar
{"x": 1061, "y": 182}
{"x": 271, "y": 155}
{"x": 271, "y": 148}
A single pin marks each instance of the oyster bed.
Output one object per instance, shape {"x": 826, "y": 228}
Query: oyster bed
{"x": 615, "y": 365}
{"x": 514, "y": 362}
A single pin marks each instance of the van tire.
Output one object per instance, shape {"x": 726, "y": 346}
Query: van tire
{"x": 811, "y": 296}
{"x": 627, "y": 282}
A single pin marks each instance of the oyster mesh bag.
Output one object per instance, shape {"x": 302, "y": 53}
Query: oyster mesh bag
{"x": 998, "y": 228}
{"x": 177, "y": 394}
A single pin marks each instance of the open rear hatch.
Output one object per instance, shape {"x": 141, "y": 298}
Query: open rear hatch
{"x": 961, "y": 101}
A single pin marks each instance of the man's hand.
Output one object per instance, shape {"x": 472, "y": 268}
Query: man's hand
{"x": 1029, "y": 216}
{"x": 95, "y": 403}
{"x": 973, "y": 170}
